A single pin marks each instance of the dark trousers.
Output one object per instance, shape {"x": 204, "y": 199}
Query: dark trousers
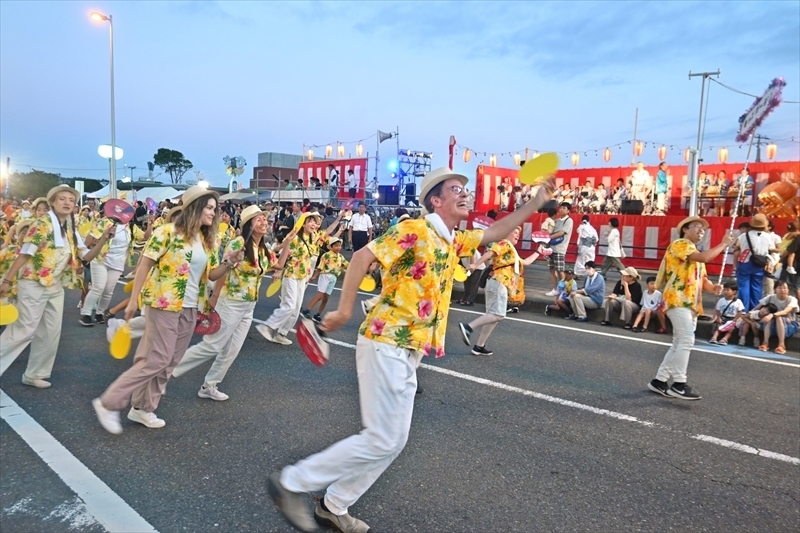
{"x": 353, "y": 192}
{"x": 473, "y": 283}
{"x": 360, "y": 240}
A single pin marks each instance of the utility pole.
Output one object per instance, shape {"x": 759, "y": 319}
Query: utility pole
{"x": 695, "y": 161}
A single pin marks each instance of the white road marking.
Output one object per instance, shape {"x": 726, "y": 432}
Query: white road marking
{"x": 596, "y": 410}
{"x": 111, "y": 511}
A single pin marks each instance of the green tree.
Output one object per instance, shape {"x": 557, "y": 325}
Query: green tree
{"x": 173, "y": 163}
{"x": 89, "y": 184}
{"x": 32, "y": 184}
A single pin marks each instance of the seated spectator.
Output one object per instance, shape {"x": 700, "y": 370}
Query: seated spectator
{"x": 590, "y": 296}
{"x": 652, "y": 302}
{"x": 753, "y": 320}
{"x": 728, "y": 310}
{"x": 565, "y": 287}
{"x": 783, "y": 321}
{"x": 625, "y": 298}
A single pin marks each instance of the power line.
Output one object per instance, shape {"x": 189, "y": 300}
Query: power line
{"x": 748, "y": 94}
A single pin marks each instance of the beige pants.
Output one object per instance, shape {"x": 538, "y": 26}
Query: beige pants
{"x": 39, "y": 324}
{"x": 166, "y": 337}
{"x": 581, "y": 303}
{"x": 628, "y": 309}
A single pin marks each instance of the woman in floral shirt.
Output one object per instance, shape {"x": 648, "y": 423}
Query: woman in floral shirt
{"x": 683, "y": 278}
{"x": 238, "y": 296}
{"x": 505, "y": 281}
{"x": 172, "y": 278}
{"x": 49, "y": 259}
{"x": 9, "y": 254}
{"x": 297, "y": 262}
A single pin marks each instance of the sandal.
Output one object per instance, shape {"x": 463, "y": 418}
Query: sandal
{"x": 723, "y": 342}
{"x": 713, "y": 341}
{"x": 780, "y": 350}
{"x": 661, "y": 330}
{"x": 763, "y": 348}
{"x": 627, "y": 326}
{"x": 635, "y": 330}
{"x": 605, "y": 323}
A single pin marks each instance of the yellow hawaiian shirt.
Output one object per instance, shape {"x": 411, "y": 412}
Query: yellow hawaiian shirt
{"x": 7, "y": 257}
{"x": 418, "y": 270}
{"x": 681, "y": 278}
{"x": 224, "y": 237}
{"x": 100, "y": 225}
{"x": 332, "y": 263}
{"x": 242, "y": 283}
{"x": 165, "y": 286}
{"x": 302, "y": 250}
{"x": 503, "y": 271}
{"x": 158, "y": 222}
{"x": 42, "y": 263}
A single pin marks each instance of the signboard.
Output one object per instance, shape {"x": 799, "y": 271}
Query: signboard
{"x": 761, "y": 108}
{"x": 79, "y": 188}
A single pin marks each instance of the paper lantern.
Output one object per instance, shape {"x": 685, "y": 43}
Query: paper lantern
{"x": 517, "y": 159}
{"x": 359, "y": 149}
{"x": 686, "y": 154}
{"x": 772, "y": 151}
{"x": 637, "y": 148}
{"x": 535, "y": 154}
{"x": 311, "y": 155}
{"x": 607, "y": 155}
{"x": 328, "y": 151}
{"x": 493, "y": 160}
{"x": 723, "y": 155}
{"x": 662, "y": 152}
{"x": 467, "y": 155}
{"x": 340, "y": 150}
{"x": 575, "y": 159}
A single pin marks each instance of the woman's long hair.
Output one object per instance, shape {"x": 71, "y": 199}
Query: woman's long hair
{"x": 248, "y": 235}
{"x": 189, "y": 224}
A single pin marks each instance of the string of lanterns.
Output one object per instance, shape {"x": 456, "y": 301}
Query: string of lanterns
{"x": 340, "y": 148}
{"x": 638, "y": 149}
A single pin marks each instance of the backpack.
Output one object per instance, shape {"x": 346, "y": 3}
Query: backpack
{"x": 756, "y": 259}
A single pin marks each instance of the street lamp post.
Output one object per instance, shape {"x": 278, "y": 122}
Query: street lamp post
{"x": 112, "y": 184}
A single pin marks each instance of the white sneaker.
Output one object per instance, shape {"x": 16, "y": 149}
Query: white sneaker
{"x": 791, "y": 270}
{"x": 266, "y": 332}
{"x": 364, "y": 307}
{"x": 113, "y": 324}
{"x": 108, "y": 419}
{"x": 281, "y": 339}
{"x": 553, "y": 292}
{"x": 145, "y": 418}
{"x": 212, "y": 393}
{"x": 38, "y": 383}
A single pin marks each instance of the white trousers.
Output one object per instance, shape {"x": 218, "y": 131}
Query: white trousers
{"x": 104, "y": 280}
{"x": 284, "y": 317}
{"x": 387, "y": 384}
{"x": 676, "y": 361}
{"x": 585, "y": 253}
{"x": 224, "y": 345}
{"x": 39, "y": 324}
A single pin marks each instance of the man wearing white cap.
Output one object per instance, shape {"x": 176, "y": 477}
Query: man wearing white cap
{"x": 418, "y": 259}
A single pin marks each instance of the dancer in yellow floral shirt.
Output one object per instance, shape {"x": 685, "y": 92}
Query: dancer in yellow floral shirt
{"x": 683, "y": 278}
{"x": 418, "y": 259}
{"x": 506, "y": 280}
{"x": 9, "y": 254}
{"x": 172, "y": 277}
{"x": 238, "y": 296}
{"x": 331, "y": 265}
{"x": 49, "y": 259}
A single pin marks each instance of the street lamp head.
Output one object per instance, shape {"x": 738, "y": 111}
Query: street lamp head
{"x": 98, "y": 17}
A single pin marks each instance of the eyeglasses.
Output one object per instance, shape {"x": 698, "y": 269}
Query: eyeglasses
{"x": 457, "y": 189}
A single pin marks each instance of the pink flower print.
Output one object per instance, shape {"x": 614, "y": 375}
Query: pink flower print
{"x": 27, "y": 272}
{"x": 407, "y": 241}
{"x": 44, "y": 272}
{"x": 439, "y": 352}
{"x": 377, "y": 326}
{"x": 419, "y": 269}
{"x": 459, "y": 248}
{"x": 426, "y": 348}
{"x": 183, "y": 269}
{"x": 162, "y": 302}
{"x": 425, "y": 308}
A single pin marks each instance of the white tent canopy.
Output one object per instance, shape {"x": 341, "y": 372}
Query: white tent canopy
{"x": 158, "y": 194}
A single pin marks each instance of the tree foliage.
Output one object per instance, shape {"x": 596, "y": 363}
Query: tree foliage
{"x": 31, "y": 184}
{"x": 173, "y": 163}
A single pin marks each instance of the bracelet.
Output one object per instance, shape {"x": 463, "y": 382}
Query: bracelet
{"x": 4, "y": 281}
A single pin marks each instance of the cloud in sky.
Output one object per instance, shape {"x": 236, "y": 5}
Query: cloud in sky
{"x": 236, "y": 78}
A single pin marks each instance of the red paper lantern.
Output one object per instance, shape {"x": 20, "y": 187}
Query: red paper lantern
{"x": 607, "y": 155}
{"x": 772, "y": 151}
{"x": 686, "y": 154}
{"x": 723, "y": 155}
{"x": 575, "y": 159}
{"x": 638, "y": 147}
{"x": 467, "y": 155}
{"x": 662, "y": 152}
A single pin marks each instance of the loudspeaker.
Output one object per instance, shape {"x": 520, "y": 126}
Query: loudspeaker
{"x": 632, "y": 207}
{"x": 389, "y": 195}
{"x": 383, "y": 136}
{"x": 551, "y": 204}
{"x": 411, "y": 193}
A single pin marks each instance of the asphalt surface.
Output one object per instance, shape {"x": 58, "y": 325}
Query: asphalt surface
{"x": 554, "y": 432}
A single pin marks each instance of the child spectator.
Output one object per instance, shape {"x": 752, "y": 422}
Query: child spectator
{"x": 331, "y": 265}
{"x": 652, "y": 302}
{"x": 565, "y": 287}
{"x": 753, "y": 320}
{"x": 727, "y": 311}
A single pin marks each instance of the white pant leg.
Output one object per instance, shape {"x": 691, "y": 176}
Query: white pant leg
{"x": 31, "y": 301}
{"x": 108, "y": 292}
{"x": 387, "y": 384}
{"x": 44, "y": 344}
{"x": 136, "y": 325}
{"x": 223, "y": 361}
{"x": 676, "y": 360}
{"x": 99, "y": 279}
{"x": 284, "y": 317}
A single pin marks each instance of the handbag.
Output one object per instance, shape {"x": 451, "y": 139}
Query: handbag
{"x": 557, "y": 240}
{"x": 756, "y": 259}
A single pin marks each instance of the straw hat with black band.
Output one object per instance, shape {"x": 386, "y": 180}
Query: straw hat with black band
{"x": 434, "y": 178}
{"x": 52, "y": 193}
{"x": 759, "y": 222}
{"x": 688, "y": 220}
{"x": 248, "y": 213}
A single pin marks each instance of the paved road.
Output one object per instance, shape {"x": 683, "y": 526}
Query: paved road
{"x": 555, "y": 432}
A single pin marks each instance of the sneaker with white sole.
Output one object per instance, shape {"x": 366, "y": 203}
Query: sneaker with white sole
{"x": 292, "y": 505}
{"x": 364, "y": 307}
{"x": 145, "y": 418}
{"x": 107, "y": 418}
{"x": 266, "y": 331}
{"x": 280, "y": 338}
{"x": 466, "y": 332}
{"x": 659, "y": 387}
{"x": 344, "y": 523}
{"x": 554, "y": 292}
{"x": 683, "y": 391}
{"x": 86, "y": 321}
{"x": 38, "y": 383}
{"x": 791, "y": 270}
{"x": 481, "y": 350}
{"x": 212, "y": 393}
{"x": 112, "y": 325}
